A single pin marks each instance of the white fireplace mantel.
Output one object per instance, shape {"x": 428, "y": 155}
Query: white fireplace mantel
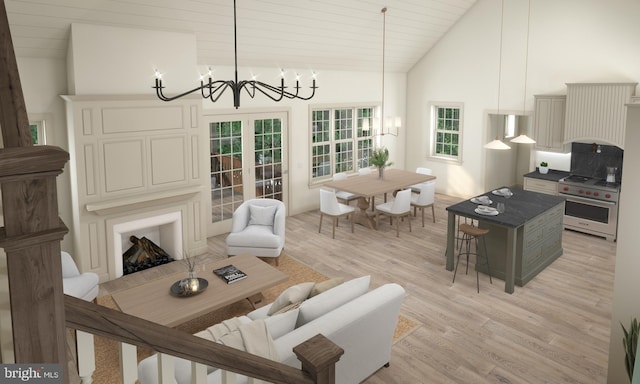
{"x": 107, "y": 207}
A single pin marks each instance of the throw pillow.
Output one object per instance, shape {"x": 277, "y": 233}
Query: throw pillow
{"x": 295, "y": 294}
{"x": 281, "y": 324}
{"x": 326, "y": 285}
{"x": 261, "y": 215}
{"x": 332, "y": 299}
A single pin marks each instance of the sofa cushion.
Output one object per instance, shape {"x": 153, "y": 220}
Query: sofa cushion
{"x": 291, "y": 295}
{"x": 261, "y": 215}
{"x": 281, "y": 324}
{"x": 332, "y": 299}
{"x": 326, "y": 285}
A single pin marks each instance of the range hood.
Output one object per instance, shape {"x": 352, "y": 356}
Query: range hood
{"x": 597, "y": 112}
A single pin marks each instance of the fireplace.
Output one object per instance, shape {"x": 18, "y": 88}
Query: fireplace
{"x": 165, "y": 230}
{"x": 139, "y": 167}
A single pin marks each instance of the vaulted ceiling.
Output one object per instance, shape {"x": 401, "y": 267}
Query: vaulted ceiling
{"x": 313, "y": 34}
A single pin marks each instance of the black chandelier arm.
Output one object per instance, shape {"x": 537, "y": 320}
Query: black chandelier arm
{"x": 217, "y": 89}
{"x": 159, "y": 87}
{"x": 282, "y": 90}
{"x": 274, "y": 93}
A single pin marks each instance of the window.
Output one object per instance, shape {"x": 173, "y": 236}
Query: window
{"x": 39, "y": 123}
{"x": 446, "y": 128}
{"x": 338, "y": 143}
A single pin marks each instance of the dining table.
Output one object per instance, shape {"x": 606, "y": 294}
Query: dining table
{"x": 367, "y": 186}
{"x": 525, "y": 234}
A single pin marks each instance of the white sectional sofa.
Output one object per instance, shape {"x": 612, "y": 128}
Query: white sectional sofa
{"x": 359, "y": 320}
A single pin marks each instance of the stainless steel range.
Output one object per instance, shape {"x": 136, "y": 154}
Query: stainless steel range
{"x": 591, "y": 205}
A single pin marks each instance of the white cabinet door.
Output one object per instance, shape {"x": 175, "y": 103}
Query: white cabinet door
{"x": 549, "y": 122}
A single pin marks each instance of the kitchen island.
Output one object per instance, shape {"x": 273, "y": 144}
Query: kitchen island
{"x": 522, "y": 240}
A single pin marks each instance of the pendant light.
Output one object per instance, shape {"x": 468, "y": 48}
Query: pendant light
{"x": 524, "y": 139}
{"x": 388, "y": 125}
{"x": 497, "y": 143}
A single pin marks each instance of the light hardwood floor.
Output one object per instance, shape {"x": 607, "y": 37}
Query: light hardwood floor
{"x": 553, "y": 330}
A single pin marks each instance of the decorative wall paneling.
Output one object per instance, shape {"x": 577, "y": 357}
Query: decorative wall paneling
{"x": 134, "y": 156}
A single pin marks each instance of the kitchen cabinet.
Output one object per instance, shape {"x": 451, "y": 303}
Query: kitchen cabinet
{"x": 548, "y": 123}
{"x": 542, "y": 186}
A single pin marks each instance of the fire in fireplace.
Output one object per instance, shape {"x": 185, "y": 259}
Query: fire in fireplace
{"x": 143, "y": 254}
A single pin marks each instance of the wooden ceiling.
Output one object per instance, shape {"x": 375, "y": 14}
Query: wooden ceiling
{"x": 300, "y": 34}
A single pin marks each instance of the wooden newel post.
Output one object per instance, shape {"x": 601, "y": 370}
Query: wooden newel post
{"x": 319, "y": 356}
{"x": 31, "y": 238}
{"x": 32, "y": 233}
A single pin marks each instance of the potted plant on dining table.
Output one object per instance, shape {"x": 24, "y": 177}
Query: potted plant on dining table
{"x": 380, "y": 159}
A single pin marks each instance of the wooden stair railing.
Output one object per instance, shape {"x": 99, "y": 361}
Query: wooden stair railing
{"x": 318, "y": 354}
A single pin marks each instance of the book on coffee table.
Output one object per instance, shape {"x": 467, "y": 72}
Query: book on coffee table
{"x": 229, "y": 274}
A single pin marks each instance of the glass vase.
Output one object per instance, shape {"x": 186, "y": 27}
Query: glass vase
{"x": 190, "y": 285}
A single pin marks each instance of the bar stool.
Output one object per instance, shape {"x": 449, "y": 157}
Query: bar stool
{"x": 472, "y": 233}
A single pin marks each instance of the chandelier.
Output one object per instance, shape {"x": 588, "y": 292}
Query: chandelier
{"x": 213, "y": 90}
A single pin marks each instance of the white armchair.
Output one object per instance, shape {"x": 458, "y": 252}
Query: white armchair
{"x": 81, "y": 285}
{"x": 258, "y": 228}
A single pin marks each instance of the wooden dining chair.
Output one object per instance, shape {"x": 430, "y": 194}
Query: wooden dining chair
{"x": 329, "y": 206}
{"x": 398, "y": 208}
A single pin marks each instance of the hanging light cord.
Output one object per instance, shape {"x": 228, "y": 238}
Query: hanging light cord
{"x": 526, "y": 61}
{"x": 384, "y": 29}
{"x": 500, "y": 54}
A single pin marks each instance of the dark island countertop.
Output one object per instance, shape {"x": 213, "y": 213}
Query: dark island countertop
{"x": 552, "y": 175}
{"x": 519, "y": 208}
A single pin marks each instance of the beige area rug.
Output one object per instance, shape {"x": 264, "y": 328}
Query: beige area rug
{"x": 107, "y": 355}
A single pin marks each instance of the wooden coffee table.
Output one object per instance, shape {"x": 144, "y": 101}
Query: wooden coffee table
{"x": 153, "y": 301}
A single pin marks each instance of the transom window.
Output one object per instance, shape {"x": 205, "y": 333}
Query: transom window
{"x": 446, "y": 131}
{"x": 338, "y": 142}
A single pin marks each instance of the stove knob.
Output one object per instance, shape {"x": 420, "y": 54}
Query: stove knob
{"x": 580, "y": 191}
{"x": 588, "y": 193}
{"x": 566, "y": 189}
{"x": 596, "y": 194}
{"x": 608, "y": 196}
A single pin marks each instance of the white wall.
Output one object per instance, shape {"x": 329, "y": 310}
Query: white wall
{"x": 110, "y": 60}
{"x": 570, "y": 41}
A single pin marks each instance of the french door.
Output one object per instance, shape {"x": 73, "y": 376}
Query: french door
{"x": 248, "y": 159}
